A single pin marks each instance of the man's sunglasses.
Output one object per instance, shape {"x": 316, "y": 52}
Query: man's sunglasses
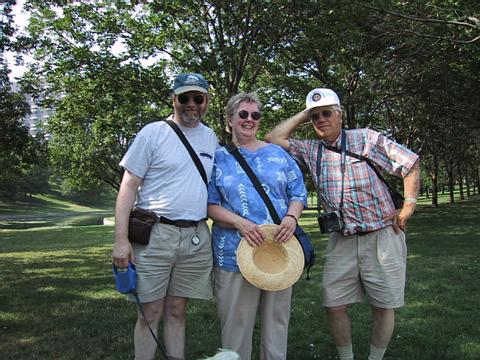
{"x": 197, "y": 99}
{"x": 324, "y": 113}
{"x": 243, "y": 114}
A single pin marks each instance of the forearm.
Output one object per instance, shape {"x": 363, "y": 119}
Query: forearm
{"x": 411, "y": 186}
{"x": 279, "y": 134}
{"x": 223, "y": 217}
{"x": 295, "y": 208}
{"x": 411, "y": 182}
{"x": 228, "y": 219}
{"x": 123, "y": 207}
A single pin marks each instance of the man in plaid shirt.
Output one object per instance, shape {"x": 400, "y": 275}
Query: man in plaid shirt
{"x": 366, "y": 260}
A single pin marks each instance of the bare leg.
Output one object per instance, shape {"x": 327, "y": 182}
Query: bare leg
{"x": 339, "y": 324}
{"x": 383, "y": 324}
{"x": 145, "y": 345}
{"x": 174, "y": 326}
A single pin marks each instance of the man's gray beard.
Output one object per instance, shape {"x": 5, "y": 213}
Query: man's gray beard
{"x": 190, "y": 119}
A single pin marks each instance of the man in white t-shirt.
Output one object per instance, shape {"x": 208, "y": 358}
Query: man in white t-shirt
{"x": 161, "y": 176}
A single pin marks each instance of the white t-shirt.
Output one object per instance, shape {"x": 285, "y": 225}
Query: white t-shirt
{"x": 172, "y": 185}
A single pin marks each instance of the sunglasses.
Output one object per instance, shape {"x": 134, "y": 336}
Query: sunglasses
{"x": 198, "y": 99}
{"x": 324, "y": 113}
{"x": 243, "y": 114}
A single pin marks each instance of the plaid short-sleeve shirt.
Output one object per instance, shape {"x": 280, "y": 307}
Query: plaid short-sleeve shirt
{"x": 366, "y": 198}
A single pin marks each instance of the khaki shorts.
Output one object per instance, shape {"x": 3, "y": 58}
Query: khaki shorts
{"x": 172, "y": 265}
{"x": 367, "y": 269}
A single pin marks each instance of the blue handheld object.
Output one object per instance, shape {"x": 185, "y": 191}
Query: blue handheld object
{"x": 125, "y": 279}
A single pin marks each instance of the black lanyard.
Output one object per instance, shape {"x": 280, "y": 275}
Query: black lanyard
{"x": 343, "y": 146}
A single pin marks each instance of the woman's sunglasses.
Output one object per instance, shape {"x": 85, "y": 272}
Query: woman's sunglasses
{"x": 243, "y": 114}
{"x": 324, "y": 113}
{"x": 197, "y": 99}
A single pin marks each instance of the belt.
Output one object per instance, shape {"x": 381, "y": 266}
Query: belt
{"x": 363, "y": 233}
{"x": 179, "y": 223}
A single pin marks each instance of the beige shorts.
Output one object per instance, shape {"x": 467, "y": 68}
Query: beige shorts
{"x": 367, "y": 269}
{"x": 171, "y": 264}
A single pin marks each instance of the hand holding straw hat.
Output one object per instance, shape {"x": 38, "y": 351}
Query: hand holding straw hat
{"x": 271, "y": 266}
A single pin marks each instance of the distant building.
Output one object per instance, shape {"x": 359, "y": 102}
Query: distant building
{"x": 38, "y": 118}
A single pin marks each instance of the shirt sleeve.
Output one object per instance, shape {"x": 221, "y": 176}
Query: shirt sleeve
{"x": 298, "y": 150}
{"x": 214, "y": 196}
{"x": 391, "y": 156}
{"x": 296, "y": 190}
{"x": 138, "y": 157}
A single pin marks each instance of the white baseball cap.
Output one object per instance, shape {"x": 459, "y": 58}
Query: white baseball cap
{"x": 321, "y": 97}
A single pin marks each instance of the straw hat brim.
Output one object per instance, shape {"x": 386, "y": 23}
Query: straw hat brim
{"x": 271, "y": 266}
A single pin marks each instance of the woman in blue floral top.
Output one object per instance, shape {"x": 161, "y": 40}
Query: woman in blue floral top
{"x": 237, "y": 210}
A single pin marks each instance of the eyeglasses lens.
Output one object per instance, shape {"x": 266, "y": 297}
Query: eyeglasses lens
{"x": 325, "y": 114}
{"x": 183, "y": 99}
{"x": 243, "y": 114}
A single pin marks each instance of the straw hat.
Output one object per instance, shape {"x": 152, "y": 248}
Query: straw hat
{"x": 271, "y": 266}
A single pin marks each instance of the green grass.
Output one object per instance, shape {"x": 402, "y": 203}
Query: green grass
{"x": 57, "y": 299}
{"x": 48, "y": 204}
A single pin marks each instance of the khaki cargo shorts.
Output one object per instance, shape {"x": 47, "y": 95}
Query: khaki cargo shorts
{"x": 366, "y": 269}
{"x": 171, "y": 264}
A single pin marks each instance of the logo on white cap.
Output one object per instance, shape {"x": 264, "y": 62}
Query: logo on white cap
{"x": 316, "y": 96}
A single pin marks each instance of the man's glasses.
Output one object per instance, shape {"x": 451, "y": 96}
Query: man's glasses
{"x": 324, "y": 113}
{"x": 243, "y": 114}
{"x": 197, "y": 99}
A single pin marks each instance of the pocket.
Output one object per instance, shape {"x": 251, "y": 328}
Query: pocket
{"x": 332, "y": 242}
{"x": 391, "y": 247}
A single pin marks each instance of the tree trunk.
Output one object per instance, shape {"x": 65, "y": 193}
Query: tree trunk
{"x": 477, "y": 179}
{"x": 460, "y": 181}
{"x": 434, "y": 178}
{"x": 467, "y": 185}
{"x": 449, "y": 169}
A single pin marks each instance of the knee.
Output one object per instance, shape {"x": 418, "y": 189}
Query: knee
{"x": 381, "y": 312}
{"x": 175, "y": 311}
{"x": 150, "y": 315}
{"x": 152, "y": 311}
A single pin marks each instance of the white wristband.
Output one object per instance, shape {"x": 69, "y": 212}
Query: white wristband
{"x": 411, "y": 199}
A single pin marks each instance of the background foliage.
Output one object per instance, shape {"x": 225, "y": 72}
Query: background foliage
{"x": 408, "y": 69}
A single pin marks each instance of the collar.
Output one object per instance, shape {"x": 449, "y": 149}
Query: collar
{"x": 336, "y": 143}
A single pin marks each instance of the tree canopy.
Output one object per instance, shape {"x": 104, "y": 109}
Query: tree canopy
{"x": 408, "y": 69}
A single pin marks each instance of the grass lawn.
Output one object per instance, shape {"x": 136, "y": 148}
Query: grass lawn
{"x": 48, "y": 204}
{"x": 57, "y": 299}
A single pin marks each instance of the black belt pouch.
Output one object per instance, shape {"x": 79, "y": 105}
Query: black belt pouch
{"x": 140, "y": 225}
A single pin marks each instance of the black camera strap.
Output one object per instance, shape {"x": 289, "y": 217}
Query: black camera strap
{"x": 343, "y": 151}
{"x": 190, "y": 150}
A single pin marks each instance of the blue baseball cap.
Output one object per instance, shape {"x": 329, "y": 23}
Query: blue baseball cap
{"x": 189, "y": 82}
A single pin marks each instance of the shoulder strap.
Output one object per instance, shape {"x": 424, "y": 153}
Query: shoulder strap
{"x": 232, "y": 149}
{"x": 303, "y": 240}
{"x": 190, "y": 150}
{"x": 363, "y": 158}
